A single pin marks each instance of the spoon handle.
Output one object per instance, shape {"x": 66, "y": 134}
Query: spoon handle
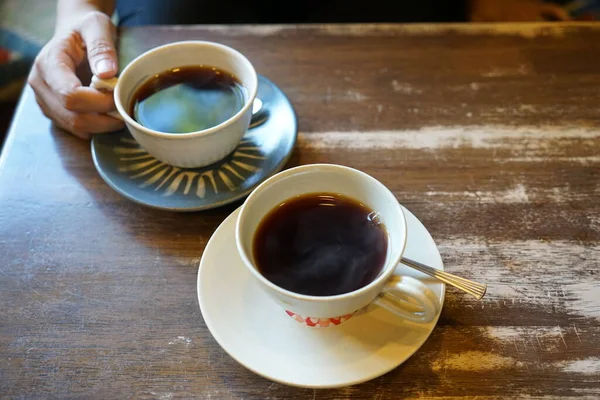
{"x": 475, "y": 289}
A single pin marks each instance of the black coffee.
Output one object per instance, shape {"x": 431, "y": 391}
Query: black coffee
{"x": 187, "y": 99}
{"x": 320, "y": 244}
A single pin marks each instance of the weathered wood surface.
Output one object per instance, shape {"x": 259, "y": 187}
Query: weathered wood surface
{"x": 488, "y": 133}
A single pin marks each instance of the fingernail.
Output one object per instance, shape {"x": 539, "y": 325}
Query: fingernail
{"x": 104, "y": 66}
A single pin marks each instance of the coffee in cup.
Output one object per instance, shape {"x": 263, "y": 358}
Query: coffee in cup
{"x": 320, "y": 244}
{"x": 187, "y": 99}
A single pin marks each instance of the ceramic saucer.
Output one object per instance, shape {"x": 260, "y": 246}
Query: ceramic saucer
{"x": 263, "y": 151}
{"x": 260, "y": 335}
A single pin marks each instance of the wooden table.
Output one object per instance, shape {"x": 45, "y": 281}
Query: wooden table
{"x": 488, "y": 133}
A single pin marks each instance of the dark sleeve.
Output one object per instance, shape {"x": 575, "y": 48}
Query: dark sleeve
{"x": 181, "y": 12}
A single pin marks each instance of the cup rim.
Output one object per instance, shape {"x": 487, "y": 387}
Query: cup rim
{"x": 204, "y": 132}
{"x": 383, "y": 276}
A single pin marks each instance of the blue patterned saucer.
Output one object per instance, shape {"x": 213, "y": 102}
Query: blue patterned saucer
{"x": 264, "y": 150}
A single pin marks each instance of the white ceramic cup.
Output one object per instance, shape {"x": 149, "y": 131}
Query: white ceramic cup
{"x": 387, "y": 290}
{"x": 194, "y": 149}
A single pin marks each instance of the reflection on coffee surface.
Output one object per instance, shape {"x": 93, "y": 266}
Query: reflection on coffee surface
{"x": 187, "y": 99}
{"x": 320, "y": 244}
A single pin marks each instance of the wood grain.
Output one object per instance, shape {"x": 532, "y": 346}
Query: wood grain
{"x": 487, "y": 133}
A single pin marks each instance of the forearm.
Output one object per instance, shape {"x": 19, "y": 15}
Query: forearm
{"x": 71, "y": 10}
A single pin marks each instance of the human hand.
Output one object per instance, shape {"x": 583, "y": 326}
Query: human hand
{"x": 59, "y": 92}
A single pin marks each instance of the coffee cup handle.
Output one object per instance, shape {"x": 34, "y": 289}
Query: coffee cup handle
{"x": 394, "y": 299}
{"x": 106, "y": 85}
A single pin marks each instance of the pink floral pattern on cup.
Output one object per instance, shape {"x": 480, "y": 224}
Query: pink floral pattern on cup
{"x": 320, "y": 322}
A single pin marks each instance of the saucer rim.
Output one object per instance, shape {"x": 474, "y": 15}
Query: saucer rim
{"x": 210, "y": 206}
{"x": 214, "y": 333}
{"x": 278, "y": 168}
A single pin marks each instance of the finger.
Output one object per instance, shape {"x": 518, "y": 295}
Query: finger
{"x": 79, "y": 124}
{"x": 43, "y": 106}
{"x": 84, "y": 99}
{"x": 59, "y": 74}
{"x": 97, "y": 33}
{"x": 42, "y": 93}
{"x": 57, "y": 67}
{"x": 100, "y": 123}
{"x": 58, "y": 115}
{"x": 56, "y": 119}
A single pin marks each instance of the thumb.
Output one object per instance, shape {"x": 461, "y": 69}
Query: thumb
{"x": 97, "y": 32}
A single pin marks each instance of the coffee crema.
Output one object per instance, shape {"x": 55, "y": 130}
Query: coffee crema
{"x": 187, "y": 99}
{"x": 320, "y": 244}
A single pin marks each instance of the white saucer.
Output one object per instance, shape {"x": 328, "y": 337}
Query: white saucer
{"x": 257, "y": 332}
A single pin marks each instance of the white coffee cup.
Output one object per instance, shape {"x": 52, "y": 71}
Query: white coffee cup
{"x": 194, "y": 149}
{"x": 387, "y": 289}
